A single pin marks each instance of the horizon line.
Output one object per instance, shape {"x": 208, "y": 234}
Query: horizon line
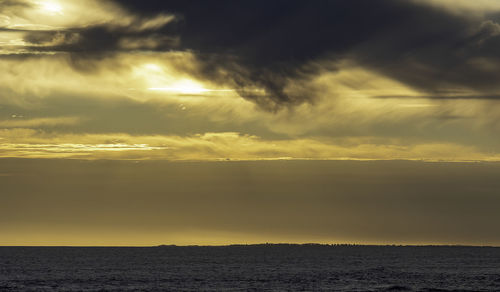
{"x": 263, "y": 244}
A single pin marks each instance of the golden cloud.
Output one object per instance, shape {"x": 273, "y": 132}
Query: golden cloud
{"x": 225, "y": 146}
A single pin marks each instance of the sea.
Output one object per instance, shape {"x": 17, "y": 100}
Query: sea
{"x": 266, "y": 267}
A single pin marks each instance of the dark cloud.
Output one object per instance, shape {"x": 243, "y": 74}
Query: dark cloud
{"x": 267, "y": 44}
{"x": 99, "y": 40}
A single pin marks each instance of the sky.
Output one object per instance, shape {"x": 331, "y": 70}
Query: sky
{"x": 127, "y": 122}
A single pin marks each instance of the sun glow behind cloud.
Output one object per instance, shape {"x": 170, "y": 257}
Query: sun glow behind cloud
{"x": 51, "y": 7}
{"x": 56, "y": 15}
{"x": 163, "y": 78}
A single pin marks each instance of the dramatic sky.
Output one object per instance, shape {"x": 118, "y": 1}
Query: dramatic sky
{"x": 212, "y": 122}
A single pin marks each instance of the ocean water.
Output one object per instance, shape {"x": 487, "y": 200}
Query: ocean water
{"x": 250, "y": 268}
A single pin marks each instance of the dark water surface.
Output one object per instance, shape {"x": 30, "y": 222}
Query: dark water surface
{"x": 250, "y": 268}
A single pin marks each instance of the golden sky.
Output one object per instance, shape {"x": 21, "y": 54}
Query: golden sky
{"x": 145, "y": 88}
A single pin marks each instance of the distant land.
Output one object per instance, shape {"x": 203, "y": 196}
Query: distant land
{"x": 326, "y": 245}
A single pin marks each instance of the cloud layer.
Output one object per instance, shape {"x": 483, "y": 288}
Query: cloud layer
{"x": 268, "y": 45}
{"x": 401, "y": 75}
